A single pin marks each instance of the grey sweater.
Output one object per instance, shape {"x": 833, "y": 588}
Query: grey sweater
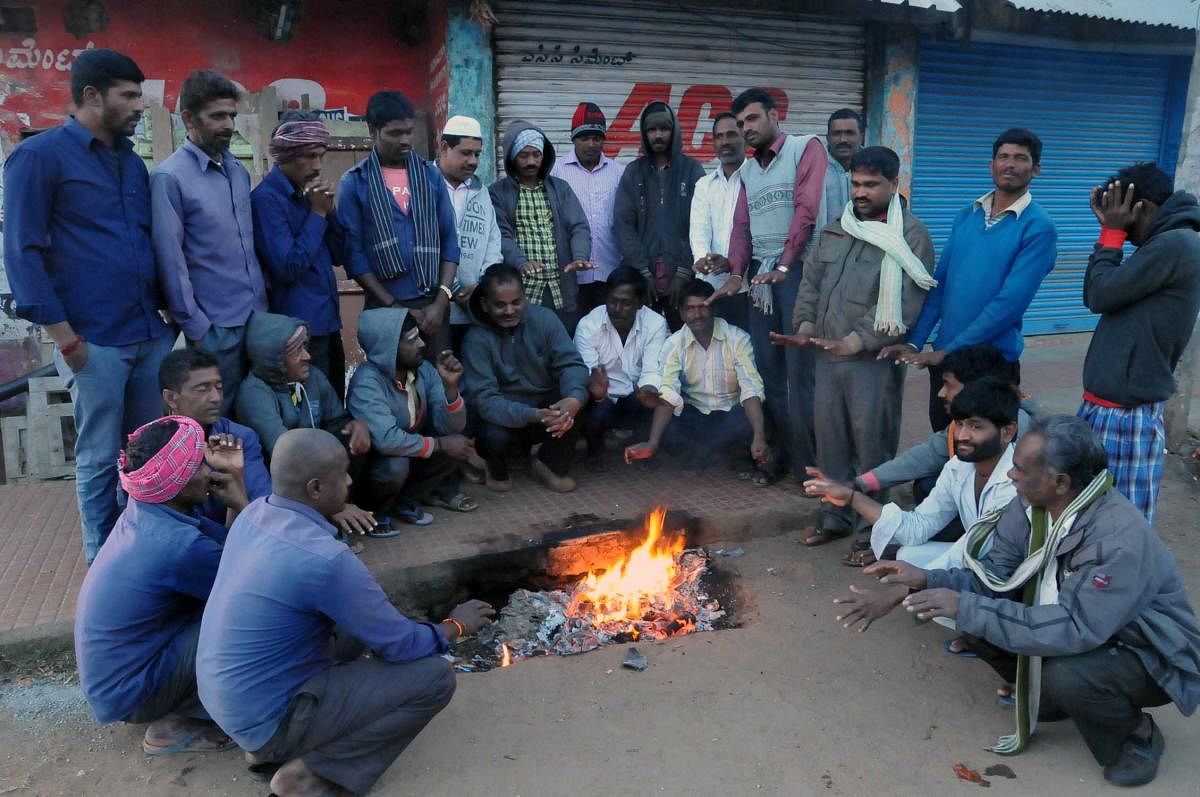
{"x": 510, "y": 374}
{"x": 1116, "y": 581}
{"x": 1147, "y": 305}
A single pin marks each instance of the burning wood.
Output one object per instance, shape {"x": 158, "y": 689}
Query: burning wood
{"x": 653, "y": 593}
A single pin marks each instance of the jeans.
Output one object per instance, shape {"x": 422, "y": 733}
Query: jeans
{"x": 228, "y": 345}
{"x": 329, "y": 357}
{"x": 115, "y": 392}
{"x": 704, "y": 438}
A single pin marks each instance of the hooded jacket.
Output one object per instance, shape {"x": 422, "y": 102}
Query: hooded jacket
{"x": 374, "y": 399}
{"x": 572, "y": 235}
{"x": 651, "y": 219}
{"x": 512, "y": 373}
{"x": 1147, "y": 305}
{"x": 265, "y": 397}
{"x": 478, "y": 242}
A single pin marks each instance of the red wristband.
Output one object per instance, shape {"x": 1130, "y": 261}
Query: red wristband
{"x": 1112, "y": 239}
{"x": 67, "y": 350}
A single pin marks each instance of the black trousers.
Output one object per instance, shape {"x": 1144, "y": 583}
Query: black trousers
{"x": 408, "y": 481}
{"x": 1102, "y": 691}
{"x": 492, "y": 442}
{"x": 702, "y": 440}
{"x": 626, "y": 412}
{"x": 939, "y": 418}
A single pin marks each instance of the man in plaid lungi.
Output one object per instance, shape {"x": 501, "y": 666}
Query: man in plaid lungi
{"x": 1147, "y": 307}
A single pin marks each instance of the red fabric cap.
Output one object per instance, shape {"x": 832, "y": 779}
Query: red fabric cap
{"x": 588, "y": 118}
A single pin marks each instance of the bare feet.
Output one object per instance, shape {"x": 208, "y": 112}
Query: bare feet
{"x": 294, "y": 779}
{"x": 175, "y": 734}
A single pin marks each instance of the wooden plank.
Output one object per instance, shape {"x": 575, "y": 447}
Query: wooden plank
{"x": 161, "y": 133}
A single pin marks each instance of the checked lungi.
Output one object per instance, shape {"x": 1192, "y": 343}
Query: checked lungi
{"x": 1136, "y": 441}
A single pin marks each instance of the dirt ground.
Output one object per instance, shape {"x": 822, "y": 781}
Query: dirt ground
{"x": 787, "y": 704}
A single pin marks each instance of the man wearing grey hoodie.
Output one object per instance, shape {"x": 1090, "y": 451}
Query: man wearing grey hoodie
{"x": 416, "y": 417}
{"x": 544, "y": 230}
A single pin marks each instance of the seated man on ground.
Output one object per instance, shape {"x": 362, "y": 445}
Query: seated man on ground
{"x": 191, "y": 386}
{"x": 289, "y": 615}
{"x": 710, "y": 402}
{"x": 137, "y": 620}
{"x": 1097, "y": 614}
{"x": 621, "y": 344}
{"x": 525, "y": 381}
{"x": 416, "y": 417}
{"x": 973, "y": 484}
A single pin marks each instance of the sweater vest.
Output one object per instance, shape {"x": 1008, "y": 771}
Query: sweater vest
{"x": 770, "y": 195}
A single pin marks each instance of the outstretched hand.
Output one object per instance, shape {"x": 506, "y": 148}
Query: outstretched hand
{"x": 896, "y": 572}
{"x": 930, "y": 603}
{"x": 868, "y": 605}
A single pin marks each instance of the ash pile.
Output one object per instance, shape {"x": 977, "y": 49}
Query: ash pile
{"x": 564, "y": 623}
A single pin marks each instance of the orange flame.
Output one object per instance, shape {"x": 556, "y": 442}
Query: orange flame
{"x": 505, "y": 656}
{"x": 625, "y": 590}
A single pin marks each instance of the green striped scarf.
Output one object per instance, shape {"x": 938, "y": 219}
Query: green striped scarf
{"x": 1039, "y": 565}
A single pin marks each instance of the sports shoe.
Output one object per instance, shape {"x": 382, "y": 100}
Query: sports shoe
{"x": 1138, "y": 763}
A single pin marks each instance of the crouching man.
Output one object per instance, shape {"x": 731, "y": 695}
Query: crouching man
{"x": 138, "y": 616}
{"x": 416, "y": 416}
{"x": 290, "y": 604}
{"x": 1096, "y": 614}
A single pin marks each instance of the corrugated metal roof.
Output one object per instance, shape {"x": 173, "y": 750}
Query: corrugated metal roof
{"x": 949, "y": 6}
{"x": 1176, "y": 13}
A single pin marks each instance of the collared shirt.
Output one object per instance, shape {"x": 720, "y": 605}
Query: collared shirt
{"x": 637, "y": 361}
{"x": 952, "y": 496}
{"x": 268, "y": 626}
{"x": 1016, "y": 208}
{"x": 709, "y": 379}
{"x": 458, "y": 196}
{"x": 298, "y": 249}
{"x": 146, "y": 588}
{"x": 354, "y": 212}
{"x": 810, "y": 189}
{"x": 77, "y": 236}
{"x": 203, "y": 237}
{"x": 597, "y": 192}
{"x": 535, "y": 235}
{"x": 712, "y": 219}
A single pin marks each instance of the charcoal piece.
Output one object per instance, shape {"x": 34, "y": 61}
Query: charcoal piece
{"x": 634, "y": 660}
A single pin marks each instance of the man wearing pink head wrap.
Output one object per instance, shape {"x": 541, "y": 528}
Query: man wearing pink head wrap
{"x": 138, "y": 616}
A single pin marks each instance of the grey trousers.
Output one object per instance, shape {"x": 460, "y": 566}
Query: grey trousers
{"x": 857, "y": 411}
{"x": 177, "y": 694}
{"x": 349, "y": 723}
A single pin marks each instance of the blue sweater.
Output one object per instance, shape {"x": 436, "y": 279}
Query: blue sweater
{"x": 986, "y": 280}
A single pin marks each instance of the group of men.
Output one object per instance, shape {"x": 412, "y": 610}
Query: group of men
{"x": 760, "y": 315}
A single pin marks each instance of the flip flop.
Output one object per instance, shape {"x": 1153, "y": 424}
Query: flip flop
{"x": 965, "y": 653}
{"x": 460, "y": 502}
{"x": 413, "y": 517}
{"x": 184, "y": 745}
{"x": 383, "y": 529}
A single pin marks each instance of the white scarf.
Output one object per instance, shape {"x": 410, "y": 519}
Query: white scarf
{"x": 898, "y": 259}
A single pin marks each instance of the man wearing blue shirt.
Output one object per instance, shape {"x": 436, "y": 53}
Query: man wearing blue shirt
{"x": 299, "y": 239}
{"x": 401, "y": 234}
{"x": 268, "y": 645}
{"x": 1000, "y": 248}
{"x": 203, "y": 234}
{"x": 137, "y": 620}
{"x": 74, "y": 197}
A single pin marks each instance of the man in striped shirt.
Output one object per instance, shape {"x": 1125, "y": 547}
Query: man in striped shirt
{"x": 711, "y": 396}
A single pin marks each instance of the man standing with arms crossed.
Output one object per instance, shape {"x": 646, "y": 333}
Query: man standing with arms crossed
{"x": 74, "y": 197}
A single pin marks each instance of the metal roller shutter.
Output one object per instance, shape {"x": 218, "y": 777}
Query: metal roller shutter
{"x": 621, "y": 55}
{"x": 1094, "y": 112}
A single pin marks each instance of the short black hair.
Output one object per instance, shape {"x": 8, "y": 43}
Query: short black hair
{"x": 453, "y": 141}
{"x": 102, "y": 69}
{"x": 388, "y": 106}
{"x": 848, "y": 113}
{"x": 500, "y": 274}
{"x": 723, "y": 115}
{"x": 971, "y": 363}
{"x": 628, "y": 275}
{"x": 1022, "y": 137}
{"x": 178, "y": 365}
{"x": 988, "y": 398}
{"x": 1149, "y": 182}
{"x": 751, "y": 96}
{"x": 204, "y": 86}
{"x": 876, "y": 160}
{"x": 139, "y": 450}
{"x": 696, "y": 287}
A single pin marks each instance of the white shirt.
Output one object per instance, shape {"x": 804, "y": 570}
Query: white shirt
{"x": 711, "y": 223}
{"x": 458, "y": 196}
{"x": 954, "y": 494}
{"x": 637, "y": 361}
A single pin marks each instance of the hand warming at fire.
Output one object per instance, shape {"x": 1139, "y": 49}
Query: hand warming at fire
{"x": 467, "y": 618}
{"x": 559, "y": 417}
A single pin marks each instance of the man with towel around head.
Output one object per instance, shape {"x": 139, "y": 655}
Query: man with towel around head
{"x": 137, "y": 621}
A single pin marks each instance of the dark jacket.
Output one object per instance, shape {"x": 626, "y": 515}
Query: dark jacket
{"x": 512, "y": 373}
{"x": 374, "y": 398}
{"x": 264, "y": 398}
{"x": 572, "y": 235}
{"x": 1117, "y": 582}
{"x": 650, "y": 219}
{"x": 1147, "y": 305}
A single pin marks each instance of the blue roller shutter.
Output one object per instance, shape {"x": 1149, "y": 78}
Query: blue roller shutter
{"x": 1094, "y": 112}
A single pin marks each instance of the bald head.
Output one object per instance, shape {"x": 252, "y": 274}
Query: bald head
{"x": 307, "y": 462}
